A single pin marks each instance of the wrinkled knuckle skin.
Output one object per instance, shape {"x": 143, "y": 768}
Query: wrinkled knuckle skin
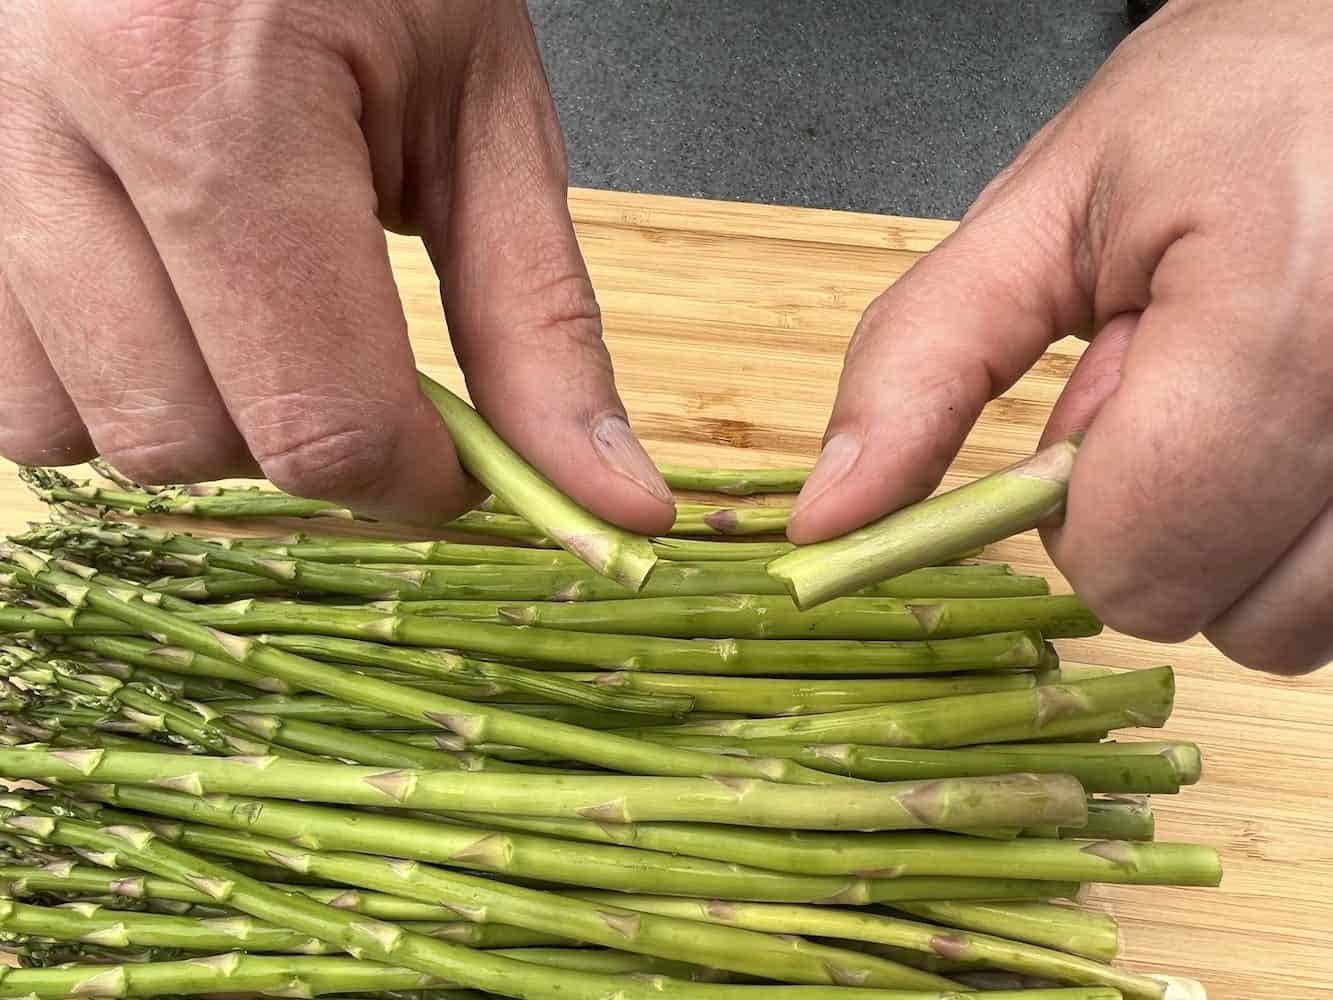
{"x": 1133, "y": 604}
{"x": 27, "y": 442}
{"x": 161, "y": 462}
{"x": 1275, "y": 653}
{"x": 335, "y": 462}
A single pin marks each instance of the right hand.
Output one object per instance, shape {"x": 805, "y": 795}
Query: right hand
{"x": 193, "y": 275}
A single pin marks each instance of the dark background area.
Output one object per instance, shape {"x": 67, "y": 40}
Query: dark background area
{"x": 900, "y": 106}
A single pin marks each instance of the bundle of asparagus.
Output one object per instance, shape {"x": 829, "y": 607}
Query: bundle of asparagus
{"x": 344, "y": 764}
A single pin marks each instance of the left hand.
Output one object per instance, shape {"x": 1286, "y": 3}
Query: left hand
{"x": 1180, "y": 208}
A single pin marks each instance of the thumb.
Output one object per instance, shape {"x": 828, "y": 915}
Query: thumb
{"x": 950, "y": 335}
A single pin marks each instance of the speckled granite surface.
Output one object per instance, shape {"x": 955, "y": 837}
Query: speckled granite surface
{"x": 901, "y": 106}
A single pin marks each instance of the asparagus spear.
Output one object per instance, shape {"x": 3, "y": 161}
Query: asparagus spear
{"x": 706, "y": 519}
{"x": 617, "y": 554}
{"x": 951, "y": 803}
{"x": 440, "y": 664}
{"x": 735, "y": 657}
{"x": 779, "y": 696}
{"x": 1128, "y": 773}
{"x": 94, "y": 924}
{"x": 555, "y": 861}
{"x": 411, "y": 582}
{"x": 319, "y": 976}
{"x": 983, "y": 949}
{"x": 1002, "y": 504}
{"x": 1184, "y": 758}
{"x": 752, "y": 617}
{"x": 671, "y": 938}
{"x": 1054, "y": 925}
{"x": 141, "y": 703}
{"x": 735, "y": 482}
{"x": 64, "y": 878}
{"x": 471, "y": 720}
{"x": 1142, "y": 697}
{"x": 1117, "y": 817}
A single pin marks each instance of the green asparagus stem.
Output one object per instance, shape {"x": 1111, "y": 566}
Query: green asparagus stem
{"x": 117, "y": 929}
{"x": 411, "y": 582}
{"x": 150, "y": 706}
{"x": 988, "y": 510}
{"x": 1137, "y": 698}
{"x": 1130, "y": 773}
{"x": 733, "y": 482}
{"x": 707, "y": 519}
{"x": 1053, "y": 925}
{"x": 66, "y": 879}
{"x": 1183, "y": 758}
{"x": 734, "y": 657}
{"x": 957, "y": 803}
{"x": 778, "y": 696}
{"x": 338, "y": 713}
{"x": 555, "y": 861}
{"x": 1117, "y": 817}
{"x": 441, "y": 553}
{"x": 671, "y": 938}
{"x": 316, "y": 976}
{"x": 470, "y": 720}
{"x": 982, "y": 949}
{"x": 199, "y": 501}
{"x": 613, "y": 552}
{"x": 440, "y": 664}
{"x": 750, "y": 617}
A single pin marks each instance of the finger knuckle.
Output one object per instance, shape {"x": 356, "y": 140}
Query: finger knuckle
{"x": 324, "y": 459}
{"x": 1158, "y": 611}
{"x": 1288, "y": 652}
{"x": 150, "y": 458}
{"x": 38, "y": 443}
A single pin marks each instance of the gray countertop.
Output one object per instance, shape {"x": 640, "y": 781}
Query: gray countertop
{"x": 900, "y": 106}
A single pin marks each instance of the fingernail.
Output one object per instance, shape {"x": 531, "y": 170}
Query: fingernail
{"x": 835, "y": 461}
{"x": 621, "y": 450}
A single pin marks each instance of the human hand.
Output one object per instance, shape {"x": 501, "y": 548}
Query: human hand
{"x": 1180, "y": 208}
{"x": 193, "y": 274}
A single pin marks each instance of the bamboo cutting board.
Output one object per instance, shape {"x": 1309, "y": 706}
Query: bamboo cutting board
{"x": 728, "y": 323}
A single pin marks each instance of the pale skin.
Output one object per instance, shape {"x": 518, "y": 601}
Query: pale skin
{"x": 194, "y": 284}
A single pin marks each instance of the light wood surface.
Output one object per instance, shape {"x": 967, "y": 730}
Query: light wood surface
{"x": 727, "y": 324}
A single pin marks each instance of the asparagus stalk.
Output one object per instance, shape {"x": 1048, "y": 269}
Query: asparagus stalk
{"x": 983, "y": 949}
{"x": 141, "y": 703}
{"x": 200, "y": 501}
{"x": 751, "y": 617}
{"x": 500, "y": 677}
{"x": 1184, "y": 758}
{"x": 444, "y": 553}
{"x": 411, "y": 582}
{"x": 988, "y": 510}
{"x": 96, "y": 925}
{"x": 671, "y": 938}
{"x": 953, "y": 803}
{"x": 63, "y": 878}
{"x": 1120, "y": 774}
{"x": 706, "y": 519}
{"x": 1117, "y": 817}
{"x": 734, "y": 482}
{"x": 333, "y": 712}
{"x": 1088, "y": 933}
{"x": 470, "y": 720}
{"x": 611, "y": 551}
{"x": 329, "y": 976}
{"x": 1136, "y": 698}
{"x": 555, "y": 861}
{"x": 779, "y": 696}
{"x": 734, "y": 657}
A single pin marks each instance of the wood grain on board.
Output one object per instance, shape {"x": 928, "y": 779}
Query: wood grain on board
{"x": 727, "y": 324}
